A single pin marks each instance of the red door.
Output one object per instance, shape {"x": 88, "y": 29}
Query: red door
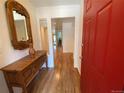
{"x": 103, "y": 50}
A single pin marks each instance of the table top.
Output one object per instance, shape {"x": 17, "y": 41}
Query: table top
{"x": 21, "y": 64}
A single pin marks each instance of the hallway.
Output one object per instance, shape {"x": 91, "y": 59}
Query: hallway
{"x": 64, "y": 78}
{"x": 62, "y": 46}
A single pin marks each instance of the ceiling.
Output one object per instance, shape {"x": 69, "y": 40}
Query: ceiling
{"x": 41, "y": 3}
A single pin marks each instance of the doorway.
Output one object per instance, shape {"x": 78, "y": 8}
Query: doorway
{"x": 44, "y": 35}
{"x": 63, "y": 37}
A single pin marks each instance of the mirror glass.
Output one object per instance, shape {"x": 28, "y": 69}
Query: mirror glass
{"x": 21, "y": 27}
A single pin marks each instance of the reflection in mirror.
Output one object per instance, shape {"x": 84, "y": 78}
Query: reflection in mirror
{"x": 21, "y": 27}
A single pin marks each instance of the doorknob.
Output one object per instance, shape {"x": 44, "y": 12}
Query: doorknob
{"x": 81, "y": 58}
{"x": 82, "y": 45}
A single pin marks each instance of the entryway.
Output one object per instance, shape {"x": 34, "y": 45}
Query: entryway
{"x": 63, "y": 36}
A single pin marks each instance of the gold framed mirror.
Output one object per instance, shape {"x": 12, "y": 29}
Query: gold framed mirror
{"x": 19, "y": 22}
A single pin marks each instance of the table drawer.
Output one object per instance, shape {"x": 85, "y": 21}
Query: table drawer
{"x": 27, "y": 74}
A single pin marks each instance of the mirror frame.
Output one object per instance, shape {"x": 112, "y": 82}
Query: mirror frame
{"x": 11, "y": 6}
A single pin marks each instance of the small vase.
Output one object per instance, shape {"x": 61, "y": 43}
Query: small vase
{"x": 31, "y": 50}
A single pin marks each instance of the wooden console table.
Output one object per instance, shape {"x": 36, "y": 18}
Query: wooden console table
{"x": 23, "y": 71}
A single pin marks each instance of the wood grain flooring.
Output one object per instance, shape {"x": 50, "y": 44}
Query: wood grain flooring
{"x": 64, "y": 78}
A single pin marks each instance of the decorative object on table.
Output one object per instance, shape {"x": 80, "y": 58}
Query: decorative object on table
{"x": 31, "y": 50}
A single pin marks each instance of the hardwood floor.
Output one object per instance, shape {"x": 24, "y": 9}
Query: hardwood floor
{"x": 64, "y": 78}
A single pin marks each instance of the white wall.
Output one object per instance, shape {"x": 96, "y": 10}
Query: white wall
{"x": 7, "y": 53}
{"x": 61, "y": 12}
{"x": 68, "y": 29}
{"x": 44, "y": 38}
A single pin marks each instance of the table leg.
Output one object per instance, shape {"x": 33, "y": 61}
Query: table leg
{"x": 47, "y": 64}
{"x": 8, "y": 84}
